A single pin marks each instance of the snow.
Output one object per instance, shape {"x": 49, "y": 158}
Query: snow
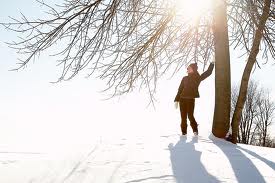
{"x": 167, "y": 158}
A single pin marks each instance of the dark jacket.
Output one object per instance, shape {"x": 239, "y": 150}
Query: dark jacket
{"x": 189, "y": 84}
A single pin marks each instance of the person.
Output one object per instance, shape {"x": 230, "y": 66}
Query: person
{"x": 187, "y": 92}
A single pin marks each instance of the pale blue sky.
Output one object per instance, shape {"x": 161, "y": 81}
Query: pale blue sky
{"x": 33, "y": 111}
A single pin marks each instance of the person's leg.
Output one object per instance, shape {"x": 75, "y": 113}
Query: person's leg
{"x": 183, "y": 112}
{"x": 190, "y": 113}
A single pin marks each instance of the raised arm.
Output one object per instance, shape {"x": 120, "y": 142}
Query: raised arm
{"x": 208, "y": 72}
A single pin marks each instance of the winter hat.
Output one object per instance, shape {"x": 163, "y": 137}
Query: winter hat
{"x": 194, "y": 66}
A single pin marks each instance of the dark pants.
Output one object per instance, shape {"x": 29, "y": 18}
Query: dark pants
{"x": 187, "y": 109}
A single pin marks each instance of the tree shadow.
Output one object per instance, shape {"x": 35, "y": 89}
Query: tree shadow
{"x": 271, "y": 164}
{"x": 186, "y": 163}
{"x": 244, "y": 169}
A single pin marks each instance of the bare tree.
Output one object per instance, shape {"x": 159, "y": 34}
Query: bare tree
{"x": 254, "y": 24}
{"x": 270, "y": 142}
{"x": 266, "y": 115}
{"x": 128, "y": 43}
{"x": 257, "y": 115}
{"x": 250, "y": 111}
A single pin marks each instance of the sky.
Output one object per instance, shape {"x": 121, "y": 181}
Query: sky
{"x": 35, "y": 112}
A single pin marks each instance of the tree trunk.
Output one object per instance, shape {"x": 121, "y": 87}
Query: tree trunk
{"x": 247, "y": 71}
{"x": 222, "y": 72}
{"x": 265, "y": 131}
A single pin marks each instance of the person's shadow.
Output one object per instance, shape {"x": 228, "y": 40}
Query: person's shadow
{"x": 186, "y": 164}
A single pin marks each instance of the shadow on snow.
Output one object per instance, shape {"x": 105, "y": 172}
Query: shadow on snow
{"x": 244, "y": 169}
{"x": 186, "y": 163}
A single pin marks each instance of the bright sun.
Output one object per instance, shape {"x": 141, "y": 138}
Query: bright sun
{"x": 190, "y": 10}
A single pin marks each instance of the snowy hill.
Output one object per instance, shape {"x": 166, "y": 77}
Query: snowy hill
{"x": 148, "y": 159}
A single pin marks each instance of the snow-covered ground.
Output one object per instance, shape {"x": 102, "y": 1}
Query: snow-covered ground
{"x": 166, "y": 158}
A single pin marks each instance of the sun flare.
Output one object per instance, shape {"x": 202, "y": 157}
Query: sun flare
{"x": 191, "y": 10}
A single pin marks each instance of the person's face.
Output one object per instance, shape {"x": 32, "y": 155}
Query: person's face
{"x": 189, "y": 70}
